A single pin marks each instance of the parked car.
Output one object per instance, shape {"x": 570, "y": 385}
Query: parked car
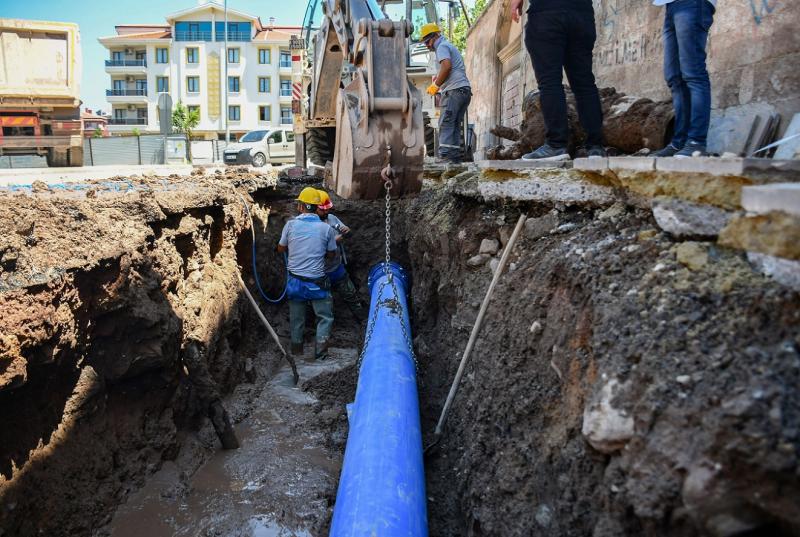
{"x": 261, "y": 147}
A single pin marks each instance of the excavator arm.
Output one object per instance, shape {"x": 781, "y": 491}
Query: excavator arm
{"x": 359, "y": 80}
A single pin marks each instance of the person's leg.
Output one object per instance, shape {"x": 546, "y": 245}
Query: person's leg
{"x": 323, "y": 309}
{"x": 578, "y": 65}
{"x": 448, "y": 138}
{"x": 692, "y": 21}
{"x": 297, "y": 323}
{"x": 464, "y": 98}
{"x": 681, "y": 103}
{"x": 347, "y": 290}
{"x": 546, "y": 40}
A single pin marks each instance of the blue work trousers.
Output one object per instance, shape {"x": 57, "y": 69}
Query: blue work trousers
{"x": 686, "y": 26}
{"x": 451, "y": 125}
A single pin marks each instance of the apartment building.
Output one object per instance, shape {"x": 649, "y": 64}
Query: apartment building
{"x": 185, "y": 57}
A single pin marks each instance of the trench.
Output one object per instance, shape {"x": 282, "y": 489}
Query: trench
{"x": 579, "y": 306}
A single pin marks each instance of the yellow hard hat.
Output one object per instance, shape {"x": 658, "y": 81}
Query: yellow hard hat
{"x": 309, "y": 196}
{"x": 428, "y": 29}
{"x": 324, "y": 200}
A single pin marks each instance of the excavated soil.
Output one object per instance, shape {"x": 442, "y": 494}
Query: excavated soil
{"x": 614, "y": 390}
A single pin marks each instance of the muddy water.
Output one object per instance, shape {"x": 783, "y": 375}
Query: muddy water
{"x": 280, "y": 483}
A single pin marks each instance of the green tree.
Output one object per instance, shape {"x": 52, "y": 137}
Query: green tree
{"x": 136, "y": 132}
{"x": 460, "y": 27}
{"x": 185, "y": 121}
{"x": 97, "y": 133}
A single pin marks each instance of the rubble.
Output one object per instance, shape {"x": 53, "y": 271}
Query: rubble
{"x": 684, "y": 219}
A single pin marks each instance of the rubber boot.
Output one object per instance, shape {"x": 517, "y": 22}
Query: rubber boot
{"x": 321, "y": 351}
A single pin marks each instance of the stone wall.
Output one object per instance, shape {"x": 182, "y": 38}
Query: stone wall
{"x": 754, "y": 59}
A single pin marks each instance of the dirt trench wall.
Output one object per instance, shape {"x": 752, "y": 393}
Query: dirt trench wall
{"x": 100, "y": 295}
{"x": 613, "y": 391}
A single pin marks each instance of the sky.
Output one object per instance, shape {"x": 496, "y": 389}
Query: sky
{"x": 97, "y": 18}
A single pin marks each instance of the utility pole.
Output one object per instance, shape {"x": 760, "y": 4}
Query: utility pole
{"x": 225, "y": 110}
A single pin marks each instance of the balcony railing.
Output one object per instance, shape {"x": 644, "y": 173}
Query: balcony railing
{"x": 126, "y": 63}
{"x": 234, "y": 36}
{"x": 128, "y": 121}
{"x": 126, "y": 93}
{"x": 286, "y": 64}
{"x": 193, "y": 36}
{"x": 286, "y": 92}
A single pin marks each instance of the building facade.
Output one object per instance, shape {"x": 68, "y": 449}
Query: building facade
{"x": 185, "y": 58}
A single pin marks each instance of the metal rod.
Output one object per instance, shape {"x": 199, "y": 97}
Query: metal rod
{"x": 466, "y": 14}
{"x": 479, "y": 323}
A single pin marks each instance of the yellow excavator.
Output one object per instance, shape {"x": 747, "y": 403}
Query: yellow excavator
{"x": 358, "y": 96}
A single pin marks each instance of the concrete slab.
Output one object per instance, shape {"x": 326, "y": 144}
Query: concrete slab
{"x": 567, "y": 191}
{"x": 767, "y": 198}
{"x": 767, "y": 170}
{"x": 791, "y": 148}
{"x": 633, "y": 164}
{"x": 520, "y": 165}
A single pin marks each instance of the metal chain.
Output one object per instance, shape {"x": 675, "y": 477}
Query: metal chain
{"x": 387, "y": 174}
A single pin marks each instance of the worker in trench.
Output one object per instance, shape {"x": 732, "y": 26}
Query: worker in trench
{"x": 335, "y": 268}
{"x": 308, "y": 241}
{"x": 453, "y": 84}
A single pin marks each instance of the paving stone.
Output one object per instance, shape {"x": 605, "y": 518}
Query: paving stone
{"x": 634, "y": 164}
{"x": 682, "y": 218}
{"x": 520, "y": 165}
{"x": 568, "y": 191}
{"x": 766, "y": 198}
{"x": 707, "y": 165}
{"x": 591, "y": 164}
{"x": 784, "y": 271}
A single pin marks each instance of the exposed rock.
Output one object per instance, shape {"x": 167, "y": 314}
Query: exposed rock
{"x": 775, "y": 233}
{"x": 693, "y": 255}
{"x": 605, "y": 427}
{"x": 784, "y": 271}
{"x": 489, "y": 246}
{"x": 613, "y": 212}
{"x": 478, "y": 260}
{"x": 682, "y": 218}
{"x": 536, "y": 228}
{"x": 493, "y": 264}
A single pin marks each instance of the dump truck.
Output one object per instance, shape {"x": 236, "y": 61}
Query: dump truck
{"x": 40, "y": 74}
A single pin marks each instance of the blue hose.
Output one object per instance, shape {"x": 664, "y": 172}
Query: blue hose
{"x": 255, "y": 267}
{"x": 382, "y": 485}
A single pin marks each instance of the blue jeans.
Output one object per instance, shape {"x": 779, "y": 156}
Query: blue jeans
{"x": 451, "y": 126}
{"x": 686, "y": 26}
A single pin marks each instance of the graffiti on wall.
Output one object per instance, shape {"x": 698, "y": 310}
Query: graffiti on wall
{"x": 762, "y": 8}
{"x": 635, "y": 49}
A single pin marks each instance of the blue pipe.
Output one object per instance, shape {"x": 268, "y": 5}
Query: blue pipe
{"x": 382, "y": 485}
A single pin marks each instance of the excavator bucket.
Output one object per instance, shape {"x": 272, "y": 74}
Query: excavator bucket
{"x": 378, "y": 117}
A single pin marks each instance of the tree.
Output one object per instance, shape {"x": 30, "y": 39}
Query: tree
{"x": 97, "y": 133}
{"x": 184, "y": 121}
{"x": 460, "y": 27}
{"x": 136, "y": 132}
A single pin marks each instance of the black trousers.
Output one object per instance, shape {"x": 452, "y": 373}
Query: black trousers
{"x": 559, "y": 41}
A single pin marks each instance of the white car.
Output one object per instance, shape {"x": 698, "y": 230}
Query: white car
{"x": 260, "y": 147}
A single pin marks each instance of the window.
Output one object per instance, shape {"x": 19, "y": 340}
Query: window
{"x": 286, "y": 59}
{"x": 264, "y": 56}
{"x": 275, "y": 138}
{"x": 234, "y": 113}
{"x": 286, "y": 87}
{"x": 286, "y": 115}
{"x": 192, "y": 55}
{"x": 264, "y": 84}
{"x": 141, "y": 55}
{"x": 290, "y": 136}
{"x": 118, "y": 85}
{"x": 116, "y": 56}
{"x": 233, "y": 55}
{"x": 162, "y": 84}
{"x": 193, "y": 108}
{"x": 265, "y": 113}
{"x": 233, "y": 84}
{"x": 119, "y": 113}
{"x": 141, "y": 113}
{"x": 141, "y": 87}
{"x": 162, "y": 55}
{"x": 193, "y": 84}
{"x": 253, "y": 136}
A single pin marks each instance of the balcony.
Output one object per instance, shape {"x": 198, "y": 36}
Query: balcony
{"x": 126, "y": 95}
{"x": 193, "y": 36}
{"x": 234, "y": 36}
{"x": 286, "y": 64}
{"x": 128, "y": 121}
{"x": 126, "y": 66}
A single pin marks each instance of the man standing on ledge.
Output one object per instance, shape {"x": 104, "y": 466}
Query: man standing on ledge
{"x": 309, "y": 241}
{"x": 456, "y": 92}
{"x": 686, "y": 26}
{"x": 560, "y": 36}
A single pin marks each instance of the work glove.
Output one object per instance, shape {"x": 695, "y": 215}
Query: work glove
{"x": 433, "y": 89}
